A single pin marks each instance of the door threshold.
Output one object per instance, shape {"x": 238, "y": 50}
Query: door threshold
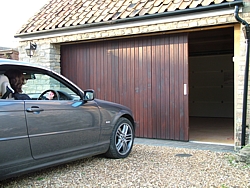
{"x": 215, "y": 143}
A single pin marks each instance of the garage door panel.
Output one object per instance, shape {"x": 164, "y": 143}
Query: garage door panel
{"x": 146, "y": 74}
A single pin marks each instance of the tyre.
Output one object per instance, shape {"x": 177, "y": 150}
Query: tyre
{"x": 121, "y": 140}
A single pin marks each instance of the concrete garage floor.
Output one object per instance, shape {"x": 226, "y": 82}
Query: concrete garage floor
{"x": 211, "y": 130}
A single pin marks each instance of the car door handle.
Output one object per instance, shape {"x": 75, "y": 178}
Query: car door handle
{"x": 34, "y": 109}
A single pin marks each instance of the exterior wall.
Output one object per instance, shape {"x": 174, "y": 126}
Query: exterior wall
{"x": 48, "y": 51}
{"x": 46, "y": 54}
{"x": 240, "y": 61}
{"x": 247, "y": 18}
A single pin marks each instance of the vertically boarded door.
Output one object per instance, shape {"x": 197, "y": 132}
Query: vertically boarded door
{"x": 147, "y": 74}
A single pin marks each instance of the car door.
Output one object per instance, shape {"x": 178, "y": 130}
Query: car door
{"x": 56, "y": 127}
{"x": 14, "y": 141}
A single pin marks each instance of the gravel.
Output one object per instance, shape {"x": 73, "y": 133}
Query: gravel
{"x": 146, "y": 166}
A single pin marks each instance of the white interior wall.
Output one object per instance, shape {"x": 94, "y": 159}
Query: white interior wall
{"x": 211, "y": 86}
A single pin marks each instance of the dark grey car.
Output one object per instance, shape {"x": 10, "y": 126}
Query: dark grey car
{"x": 39, "y": 133}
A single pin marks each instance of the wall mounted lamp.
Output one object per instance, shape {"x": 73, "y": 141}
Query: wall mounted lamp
{"x": 30, "y": 50}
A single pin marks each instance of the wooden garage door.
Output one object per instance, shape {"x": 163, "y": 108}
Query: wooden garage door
{"x": 146, "y": 74}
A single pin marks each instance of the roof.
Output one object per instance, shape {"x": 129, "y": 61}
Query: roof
{"x": 69, "y": 13}
{"x": 12, "y": 63}
{"x": 5, "y": 48}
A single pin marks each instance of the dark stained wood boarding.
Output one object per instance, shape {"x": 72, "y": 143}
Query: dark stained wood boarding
{"x": 146, "y": 74}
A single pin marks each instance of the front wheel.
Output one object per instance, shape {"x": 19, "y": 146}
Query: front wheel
{"x": 122, "y": 139}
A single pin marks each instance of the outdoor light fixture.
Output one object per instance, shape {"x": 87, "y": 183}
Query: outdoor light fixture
{"x": 30, "y": 50}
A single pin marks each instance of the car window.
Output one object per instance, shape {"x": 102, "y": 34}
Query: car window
{"x": 39, "y": 83}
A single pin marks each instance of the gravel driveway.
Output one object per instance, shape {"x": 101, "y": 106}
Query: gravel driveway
{"x": 146, "y": 166}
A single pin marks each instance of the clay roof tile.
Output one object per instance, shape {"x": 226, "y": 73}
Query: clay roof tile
{"x": 65, "y": 13}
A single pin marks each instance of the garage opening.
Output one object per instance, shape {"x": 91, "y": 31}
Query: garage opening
{"x": 211, "y": 86}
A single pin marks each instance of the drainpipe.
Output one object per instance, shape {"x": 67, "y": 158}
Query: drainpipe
{"x": 246, "y": 32}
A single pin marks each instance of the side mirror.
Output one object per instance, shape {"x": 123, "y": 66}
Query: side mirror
{"x": 89, "y": 95}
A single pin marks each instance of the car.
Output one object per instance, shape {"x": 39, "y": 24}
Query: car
{"x": 39, "y": 133}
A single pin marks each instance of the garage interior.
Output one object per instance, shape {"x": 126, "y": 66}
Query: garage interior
{"x": 211, "y": 86}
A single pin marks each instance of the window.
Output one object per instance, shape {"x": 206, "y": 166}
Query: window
{"x": 39, "y": 86}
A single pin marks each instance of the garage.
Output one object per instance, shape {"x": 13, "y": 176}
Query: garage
{"x": 161, "y": 78}
{"x": 140, "y": 54}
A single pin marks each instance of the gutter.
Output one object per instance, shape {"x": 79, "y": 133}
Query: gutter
{"x": 246, "y": 31}
{"x": 137, "y": 18}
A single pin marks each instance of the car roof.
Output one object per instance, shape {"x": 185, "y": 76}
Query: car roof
{"x": 20, "y": 63}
